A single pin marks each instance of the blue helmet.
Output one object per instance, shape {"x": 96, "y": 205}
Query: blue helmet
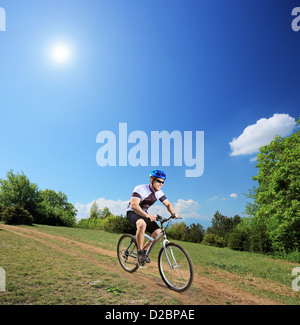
{"x": 158, "y": 174}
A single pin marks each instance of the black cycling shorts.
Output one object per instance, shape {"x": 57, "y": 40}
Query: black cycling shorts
{"x": 132, "y": 217}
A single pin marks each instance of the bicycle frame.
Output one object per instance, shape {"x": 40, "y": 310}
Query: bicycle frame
{"x": 165, "y": 242}
{"x": 157, "y": 239}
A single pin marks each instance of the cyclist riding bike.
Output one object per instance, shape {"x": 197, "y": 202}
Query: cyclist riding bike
{"x": 142, "y": 198}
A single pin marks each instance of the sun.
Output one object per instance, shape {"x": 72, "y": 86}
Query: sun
{"x": 60, "y": 53}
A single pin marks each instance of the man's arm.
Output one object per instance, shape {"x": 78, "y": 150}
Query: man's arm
{"x": 170, "y": 208}
{"x": 135, "y": 206}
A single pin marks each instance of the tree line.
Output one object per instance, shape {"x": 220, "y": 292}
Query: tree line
{"x": 216, "y": 235}
{"x": 22, "y": 202}
{"x": 103, "y": 219}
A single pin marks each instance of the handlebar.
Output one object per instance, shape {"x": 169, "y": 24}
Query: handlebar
{"x": 163, "y": 220}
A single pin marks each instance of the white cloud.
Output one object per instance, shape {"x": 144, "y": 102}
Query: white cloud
{"x": 213, "y": 198}
{"x": 233, "y": 195}
{"x": 262, "y": 133}
{"x": 188, "y": 209}
{"x": 115, "y": 207}
{"x": 185, "y": 209}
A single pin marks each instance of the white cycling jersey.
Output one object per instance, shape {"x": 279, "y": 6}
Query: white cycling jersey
{"x": 147, "y": 196}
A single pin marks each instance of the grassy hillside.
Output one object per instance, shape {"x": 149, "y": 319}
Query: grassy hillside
{"x": 58, "y": 265}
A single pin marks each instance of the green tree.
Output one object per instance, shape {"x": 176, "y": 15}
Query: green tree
{"x": 17, "y": 189}
{"x": 195, "y": 233}
{"x": 105, "y": 213}
{"x": 250, "y": 235}
{"x": 251, "y": 207}
{"x": 222, "y": 226}
{"x": 277, "y": 196}
{"x": 56, "y": 210}
{"x": 213, "y": 240}
{"x": 178, "y": 231}
{"x": 95, "y": 212}
{"x": 117, "y": 224}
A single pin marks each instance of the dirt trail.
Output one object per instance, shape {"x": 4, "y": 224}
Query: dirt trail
{"x": 204, "y": 291}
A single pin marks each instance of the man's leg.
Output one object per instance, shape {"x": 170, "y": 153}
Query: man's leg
{"x": 140, "y": 237}
{"x": 153, "y": 235}
{"x": 140, "y": 231}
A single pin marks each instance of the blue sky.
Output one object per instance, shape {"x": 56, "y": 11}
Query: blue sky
{"x": 222, "y": 67}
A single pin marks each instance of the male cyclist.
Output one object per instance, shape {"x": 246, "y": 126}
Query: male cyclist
{"x": 142, "y": 198}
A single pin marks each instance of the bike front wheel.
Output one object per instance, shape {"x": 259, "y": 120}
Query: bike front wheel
{"x": 175, "y": 267}
{"x": 127, "y": 253}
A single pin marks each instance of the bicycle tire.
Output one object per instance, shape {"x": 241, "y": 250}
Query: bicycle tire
{"x": 179, "y": 277}
{"x": 127, "y": 253}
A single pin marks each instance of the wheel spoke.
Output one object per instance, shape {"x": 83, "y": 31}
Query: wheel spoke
{"x": 175, "y": 267}
{"x": 127, "y": 253}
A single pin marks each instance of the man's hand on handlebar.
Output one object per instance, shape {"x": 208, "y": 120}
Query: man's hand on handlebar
{"x": 151, "y": 217}
{"x": 173, "y": 216}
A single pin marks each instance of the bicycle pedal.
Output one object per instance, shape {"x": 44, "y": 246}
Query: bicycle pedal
{"x": 142, "y": 265}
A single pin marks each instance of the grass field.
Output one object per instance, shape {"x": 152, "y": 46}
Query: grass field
{"x": 70, "y": 266}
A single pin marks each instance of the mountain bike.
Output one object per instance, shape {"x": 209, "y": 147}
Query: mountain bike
{"x": 174, "y": 263}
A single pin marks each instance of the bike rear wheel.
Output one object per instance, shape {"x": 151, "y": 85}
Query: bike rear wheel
{"x": 175, "y": 267}
{"x": 127, "y": 253}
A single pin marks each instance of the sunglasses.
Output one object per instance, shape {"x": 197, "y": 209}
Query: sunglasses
{"x": 160, "y": 182}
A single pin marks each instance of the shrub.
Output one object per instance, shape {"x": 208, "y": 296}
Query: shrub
{"x": 178, "y": 231}
{"x": 237, "y": 239}
{"x": 213, "y": 240}
{"x": 259, "y": 239}
{"x": 16, "y": 215}
{"x": 293, "y": 257}
{"x": 250, "y": 235}
{"x": 117, "y": 224}
{"x": 112, "y": 223}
